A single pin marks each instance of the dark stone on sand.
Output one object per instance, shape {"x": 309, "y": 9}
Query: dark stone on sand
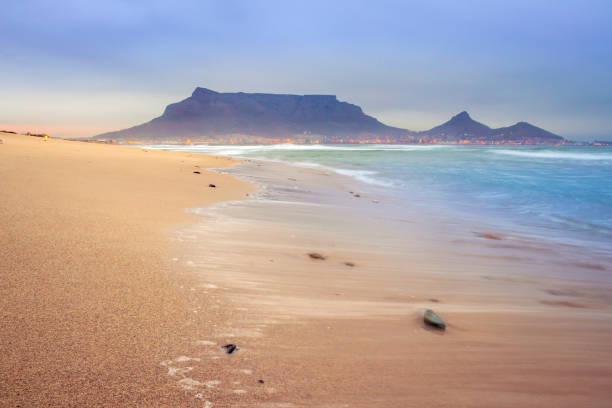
{"x": 351, "y": 264}
{"x": 230, "y": 348}
{"x": 432, "y": 319}
{"x": 196, "y": 172}
{"x": 260, "y": 381}
{"x": 434, "y": 300}
{"x": 564, "y": 303}
{"x": 314, "y": 255}
{"x": 212, "y": 186}
{"x": 356, "y": 195}
{"x": 488, "y": 235}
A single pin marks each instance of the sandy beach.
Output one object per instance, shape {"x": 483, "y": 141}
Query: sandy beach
{"x": 114, "y": 295}
{"x": 90, "y": 306}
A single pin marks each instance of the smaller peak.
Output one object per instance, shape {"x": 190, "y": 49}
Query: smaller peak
{"x": 203, "y": 92}
{"x": 462, "y": 115}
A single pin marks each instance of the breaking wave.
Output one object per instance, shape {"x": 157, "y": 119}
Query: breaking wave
{"x": 548, "y": 154}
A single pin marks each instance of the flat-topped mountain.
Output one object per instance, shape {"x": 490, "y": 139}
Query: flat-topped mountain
{"x": 210, "y": 114}
{"x": 463, "y": 127}
{"x": 214, "y": 117}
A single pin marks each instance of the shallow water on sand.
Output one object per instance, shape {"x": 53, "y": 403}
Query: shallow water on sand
{"x": 304, "y": 323}
{"x": 366, "y": 215}
{"x": 548, "y": 193}
{"x": 382, "y": 268}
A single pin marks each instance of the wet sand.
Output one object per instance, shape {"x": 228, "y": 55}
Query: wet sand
{"x": 114, "y": 296}
{"x": 529, "y": 323}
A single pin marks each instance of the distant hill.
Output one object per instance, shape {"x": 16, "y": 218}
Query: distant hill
{"x": 463, "y": 127}
{"x": 213, "y": 117}
{"x": 210, "y": 114}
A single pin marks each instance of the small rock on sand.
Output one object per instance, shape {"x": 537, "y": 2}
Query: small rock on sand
{"x": 230, "y": 348}
{"x": 196, "y": 172}
{"x": 432, "y": 319}
{"x": 351, "y": 264}
{"x": 212, "y": 186}
{"x": 314, "y": 255}
{"x": 488, "y": 235}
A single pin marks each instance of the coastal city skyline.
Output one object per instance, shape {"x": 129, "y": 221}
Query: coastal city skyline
{"x": 78, "y": 71}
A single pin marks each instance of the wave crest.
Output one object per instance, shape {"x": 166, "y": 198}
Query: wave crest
{"x": 549, "y": 154}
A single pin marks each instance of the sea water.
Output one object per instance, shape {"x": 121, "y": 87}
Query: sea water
{"x": 562, "y": 194}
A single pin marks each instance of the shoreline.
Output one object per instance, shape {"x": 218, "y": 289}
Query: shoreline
{"x": 322, "y": 318}
{"x": 555, "y": 230}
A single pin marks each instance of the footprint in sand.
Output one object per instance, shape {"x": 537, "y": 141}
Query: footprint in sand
{"x": 176, "y": 371}
{"x": 182, "y": 359}
{"x": 189, "y": 383}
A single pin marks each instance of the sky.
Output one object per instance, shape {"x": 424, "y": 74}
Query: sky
{"x": 78, "y": 68}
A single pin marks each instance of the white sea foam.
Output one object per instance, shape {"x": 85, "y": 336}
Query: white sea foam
{"x": 549, "y": 154}
{"x": 365, "y": 176}
{"x": 225, "y": 150}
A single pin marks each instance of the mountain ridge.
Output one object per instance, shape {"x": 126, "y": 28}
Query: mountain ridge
{"x": 208, "y": 116}
{"x": 463, "y": 127}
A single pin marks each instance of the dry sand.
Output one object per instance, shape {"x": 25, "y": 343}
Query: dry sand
{"x": 113, "y": 296}
{"x": 88, "y": 304}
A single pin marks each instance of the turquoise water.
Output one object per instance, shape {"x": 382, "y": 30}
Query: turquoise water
{"x": 562, "y": 193}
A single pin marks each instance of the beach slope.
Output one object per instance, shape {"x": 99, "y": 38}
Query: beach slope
{"x": 89, "y": 304}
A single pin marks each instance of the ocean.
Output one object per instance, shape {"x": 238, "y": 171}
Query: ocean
{"x": 562, "y": 194}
